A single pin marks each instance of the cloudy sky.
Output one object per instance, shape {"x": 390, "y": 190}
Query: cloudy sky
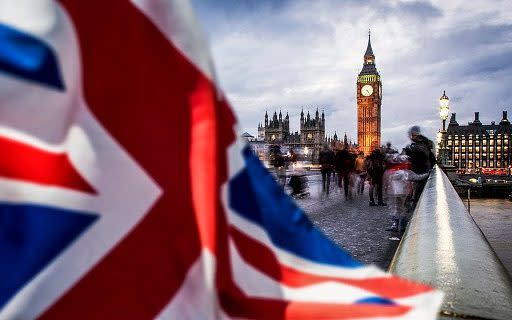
{"x": 285, "y": 55}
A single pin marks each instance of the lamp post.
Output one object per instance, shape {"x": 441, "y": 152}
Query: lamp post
{"x": 444, "y": 110}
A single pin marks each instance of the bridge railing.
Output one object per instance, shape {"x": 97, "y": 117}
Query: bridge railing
{"x": 443, "y": 247}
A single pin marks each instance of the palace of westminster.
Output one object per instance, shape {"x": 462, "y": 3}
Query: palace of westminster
{"x": 465, "y": 147}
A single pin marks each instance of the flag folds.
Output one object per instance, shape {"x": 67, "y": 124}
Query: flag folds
{"x": 125, "y": 193}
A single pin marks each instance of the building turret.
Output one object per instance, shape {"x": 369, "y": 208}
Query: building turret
{"x": 266, "y": 118}
{"x": 453, "y": 121}
{"x": 504, "y": 120}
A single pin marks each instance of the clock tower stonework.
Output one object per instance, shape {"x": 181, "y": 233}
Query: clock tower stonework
{"x": 369, "y": 98}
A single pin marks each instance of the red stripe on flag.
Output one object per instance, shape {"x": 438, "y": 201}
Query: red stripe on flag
{"x": 263, "y": 259}
{"x": 24, "y": 162}
{"x": 141, "y": 87}
{"x": 236, "y": 304}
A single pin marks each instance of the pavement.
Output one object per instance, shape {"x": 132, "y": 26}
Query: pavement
{"x": 351, "y": 223}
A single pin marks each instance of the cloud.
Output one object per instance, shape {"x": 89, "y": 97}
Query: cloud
{"x": 290, "y": 55}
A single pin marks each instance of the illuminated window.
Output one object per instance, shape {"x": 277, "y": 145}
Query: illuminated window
{"x": 470, "y": 156}
{"x": 477, "y": 156}
{"x": 470, "y": 149}
{"x": 463, "y": 149}
{"x": 484, "y": 142}
{"x": 491, "y": 164}
{"x": 456, "y": 142}
{"x": 477, "y": 149}
{"x": 457, "y": 156}
{"x": 463, "y": 156}
{"x": 484, "y": 149}
{"x": 477, "y": 142}
{"x": 498, "y": 149}
{"x": 491, "y": 156}
{"x": 491, "y": 149}
{"x": 457, "y": 149}
{"x": 491, "y": 142}
{"x": 463, "y": 142}
{"x": 484, "y": 164}
{"x": 449, "y": 142}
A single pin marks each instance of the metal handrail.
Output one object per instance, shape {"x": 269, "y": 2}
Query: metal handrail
{"x": 443, "y": 247}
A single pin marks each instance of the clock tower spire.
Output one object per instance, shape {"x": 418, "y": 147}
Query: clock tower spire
{"x": 369, "y": 98}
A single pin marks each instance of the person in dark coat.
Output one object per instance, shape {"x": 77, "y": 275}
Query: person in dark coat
{"x": 421, "y": 157}
{"x": 375, "y": 170}
{"x": 344, "y": 165}
{"x": 326, "y": 160}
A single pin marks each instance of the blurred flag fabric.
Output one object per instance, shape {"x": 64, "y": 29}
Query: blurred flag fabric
{"x": 126, "y": 194}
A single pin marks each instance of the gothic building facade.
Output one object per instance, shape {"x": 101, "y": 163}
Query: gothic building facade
{"x": 369, "y": 99}
{"x": 308, "y": 141}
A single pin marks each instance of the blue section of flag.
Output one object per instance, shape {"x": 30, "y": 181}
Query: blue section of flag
{"x": 30, "y": 237}
{"x": 375, "y": 300}
{"x": 255, "y": 195}
{"x": 29, "y": 58}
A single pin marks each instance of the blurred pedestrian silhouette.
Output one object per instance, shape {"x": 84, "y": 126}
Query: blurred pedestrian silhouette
{"x": 326, "y": 160}
{"x": 375, "y": 170}
{"x": 421, "y": 156}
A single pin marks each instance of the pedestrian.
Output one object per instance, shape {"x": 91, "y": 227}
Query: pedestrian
{"x": 343, "y": 163}
{"x": 398, "y": 187}
{"x": 421, "y": 157}
{"x": 278, "y": 161}
{"x": 375, "y": 170}
{"x": 326, "y": 160}
{"x": 360, "y": 171}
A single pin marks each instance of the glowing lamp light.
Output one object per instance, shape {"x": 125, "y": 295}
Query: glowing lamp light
{"x": 444, "y": 109}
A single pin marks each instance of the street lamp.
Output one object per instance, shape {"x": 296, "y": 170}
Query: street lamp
{"x": 444, "y": 110}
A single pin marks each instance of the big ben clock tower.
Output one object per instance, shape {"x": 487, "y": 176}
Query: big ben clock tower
{"x": 369, "y": 98}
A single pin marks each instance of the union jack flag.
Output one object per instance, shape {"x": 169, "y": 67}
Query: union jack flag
{"x": 125, "y": 194}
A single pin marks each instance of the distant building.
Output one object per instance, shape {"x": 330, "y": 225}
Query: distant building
{"x": 248, "y": 137}
{"x": 478, "y": 145}
{"x": 307, "y": 142}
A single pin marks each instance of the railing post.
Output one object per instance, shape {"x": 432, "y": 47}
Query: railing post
{"x": 444, "y": 247}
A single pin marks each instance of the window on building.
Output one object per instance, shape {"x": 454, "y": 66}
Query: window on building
{"x": 491, "y": 149}
{"x": 477, "y": 142}
{"x": 463, "y": 149}
{"x": 491, "y": 156}
{"x": 477, "y": 156}
{"x": 477, "y": 149}
{"x": 484, "y": 142}
{"x": 484, "y": 164}
{"x": 491, "y": 142}
{"x": 470, "y": 149}
{"x": 463, "y": 142}
{"x": 457, "y": 156}
{"x": 463, "y": 156}
{"x": 491, "y": 164}
{"x": 456, "y": 142}
{"x": 449, "y": 142}
{"x": 470, "y": 156}
{"x": 498, "y": 149}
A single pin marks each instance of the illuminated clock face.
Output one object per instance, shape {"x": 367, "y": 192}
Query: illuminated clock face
{"x": 366, "y": 90}
{"x": 310, "y": 136}
{"x": 273, "y": 137}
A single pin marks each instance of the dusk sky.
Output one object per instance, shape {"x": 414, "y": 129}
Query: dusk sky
{"x": 288, "y": 55}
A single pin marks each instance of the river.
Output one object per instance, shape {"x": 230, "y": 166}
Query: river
{"x": 494, "y": 217}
